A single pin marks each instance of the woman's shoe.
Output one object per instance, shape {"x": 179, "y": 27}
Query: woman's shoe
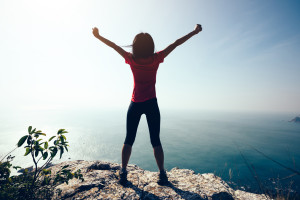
{"x": 123, "y": 176}
{"x": 162, "y": 178}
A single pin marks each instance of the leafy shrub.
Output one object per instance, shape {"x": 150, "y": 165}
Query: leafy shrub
{"x": 37, "y": 184}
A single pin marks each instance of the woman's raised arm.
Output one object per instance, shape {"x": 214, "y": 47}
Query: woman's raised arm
{"x": 121, "y": 51}
{"x": 180, "y": 41}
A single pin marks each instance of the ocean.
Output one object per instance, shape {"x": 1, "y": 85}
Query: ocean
{"x": 242, "y": 148}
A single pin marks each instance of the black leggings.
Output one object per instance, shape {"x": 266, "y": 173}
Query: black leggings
{"x": 135, "y": 111}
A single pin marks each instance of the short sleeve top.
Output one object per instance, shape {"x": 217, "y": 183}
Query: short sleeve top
{"x": 144, "y": 75}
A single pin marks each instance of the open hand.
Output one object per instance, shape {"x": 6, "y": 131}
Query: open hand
{"x": 95, "y": 32}
{"x": 198, "y": 28}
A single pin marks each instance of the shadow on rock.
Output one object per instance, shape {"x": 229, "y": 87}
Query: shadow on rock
{"x": 142, "y": 193}
{"x": 222, "y": 196}
{"x": 185, "y": 194}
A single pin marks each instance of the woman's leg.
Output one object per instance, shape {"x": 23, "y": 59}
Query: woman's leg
{"x": 159, "y": 157}
{"x": 153, "y": 119}
{"x": 126, "y": 152}
{"x": 132, "y": 122}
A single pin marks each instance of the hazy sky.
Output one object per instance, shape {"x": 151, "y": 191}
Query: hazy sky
{"x": 246, "y": 58}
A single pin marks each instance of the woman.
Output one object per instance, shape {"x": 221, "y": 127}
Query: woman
{"x": 144, "y": 64}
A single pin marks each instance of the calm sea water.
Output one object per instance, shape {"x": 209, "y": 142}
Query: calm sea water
{"x": 206, "y": 142}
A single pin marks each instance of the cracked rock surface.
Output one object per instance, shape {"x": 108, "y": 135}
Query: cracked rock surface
{"x": 101, "y": 182}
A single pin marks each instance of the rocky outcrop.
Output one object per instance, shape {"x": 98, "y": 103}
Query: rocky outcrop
{"x": 296, "y": 120}
{"x": 101, "y": 182}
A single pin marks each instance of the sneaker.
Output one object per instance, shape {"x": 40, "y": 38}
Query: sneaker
{"x": 163, "y": 178}
{"x": 123, "y": 176}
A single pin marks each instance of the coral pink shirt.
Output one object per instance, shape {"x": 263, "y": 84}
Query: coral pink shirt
{"x": 144, "y": 75}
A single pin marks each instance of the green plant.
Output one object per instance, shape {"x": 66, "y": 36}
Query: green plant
{"x": 15, "y": 187}
{"x": 27, "y": 185}
{"x": 62, "y": 176}
{"x": 34, "y": 147}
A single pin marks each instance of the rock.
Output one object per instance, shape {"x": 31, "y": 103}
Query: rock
{"x": 296, "y": 120}
{"x": 30, "y": 169}
{"x": 101, "y": 182}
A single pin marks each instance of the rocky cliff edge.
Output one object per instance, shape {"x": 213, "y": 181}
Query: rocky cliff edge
{"x": 101, "y": 182}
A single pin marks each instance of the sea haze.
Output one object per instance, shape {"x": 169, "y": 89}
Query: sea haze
{"x": 206, "y": 142}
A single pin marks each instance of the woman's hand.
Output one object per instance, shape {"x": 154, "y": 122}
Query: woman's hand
{"x": 197, "y": 28}
{"x": 96, "y": 32}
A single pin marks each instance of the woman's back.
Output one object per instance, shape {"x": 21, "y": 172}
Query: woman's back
{"x": 144, "y": 74}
